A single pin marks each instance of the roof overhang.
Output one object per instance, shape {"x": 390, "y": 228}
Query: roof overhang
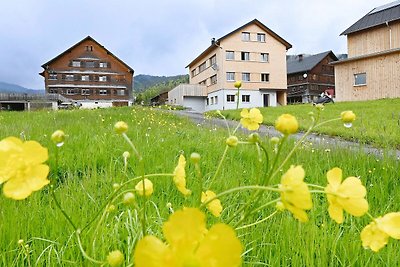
{"x": 377, "y": 54}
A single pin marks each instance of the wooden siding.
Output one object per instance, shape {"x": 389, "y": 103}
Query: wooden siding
{"x": 175, "y": 96}
{"x": 373, "y": 40}
{"x": 383, "y": 78}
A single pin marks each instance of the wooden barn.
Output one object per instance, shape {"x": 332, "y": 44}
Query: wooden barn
{"x": 372, "y": 69}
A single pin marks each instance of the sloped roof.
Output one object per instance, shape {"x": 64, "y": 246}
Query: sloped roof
{"x": 77, "y": 44}
{"x": 307, "y": 63}
{"x": 254, "y": 21}
{"x": 376, "y": 17}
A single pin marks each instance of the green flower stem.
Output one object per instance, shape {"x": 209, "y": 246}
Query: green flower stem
{"x": 237, "y": 102}
{"x": 269, "y": 176}
{"x": 316, "y": 186}
{"x": 266, "y": 181}
{"x": 78, "y": 236}
{"x": 226, "y": 123}
{"x": 200, "y": 178}
{"x": 325, "y": 122}
{"x": 112, "y": 196}
{"x": 369, "y": 215}
{"x": 132, "y": 146}
{"x": 237, "y": 127}
{"x": 240, "y": 188}
{"x": 249, "y": 211}
{"x": 318, "y": 191}
{"x": 219, "y": 164}
{"x": 62, "y": 210}
{"x": 257, "y": 222}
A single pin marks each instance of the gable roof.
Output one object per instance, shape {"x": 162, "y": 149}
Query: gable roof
{"x": 307, "y": 63}
{"x": 376, "y": 17}
{"x": 77, "y": 44}
{"x": 254, "y": 21}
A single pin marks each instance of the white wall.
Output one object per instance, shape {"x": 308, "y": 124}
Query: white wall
{"x": 95, "y": 104}
{"x": 256, "y": 99}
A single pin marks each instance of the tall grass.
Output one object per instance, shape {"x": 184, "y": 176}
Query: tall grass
{"x": 91, "y": 161}
{"x": 377, "y": 123}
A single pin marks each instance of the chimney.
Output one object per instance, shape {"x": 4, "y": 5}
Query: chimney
{"x": 212, "y": 41}
{"x": 300, "y": 57}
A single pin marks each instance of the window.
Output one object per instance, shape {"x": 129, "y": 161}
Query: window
{"x": 89, "y": 48}
{"x": 246, "y": 98}
{"x": 212, "y": 100}
{"x": 245, "y": 76}
{"x": 265, "y": 77}
{"x": 230, "y": 98}
{"x": 261, "y": 37}
{"x": 103, "y": 92}
{"x": 52, "y": 76}
{"x": 103, "y": 65}
{"x": 203, "y": 82}
{"x": 85, "y": 77}
{"x": 214, "y": 79}
{"x": 215, "y": 100}
{"x": 53, "y": 91}
{"x": 193, "y": 72}
{"x": 208, "y": 101}
{"x": 360, "y": 79}
{"x": 213, "y": 60}
{"x": 245, "y": 56}
{"x": 202, "y": 67}
{"x": 230, "y": 76}
{"x": 265, "y": 57}
{"x": 69, "y": 77}
{"x": 120, "y": 92}
{"x": 70, "y": 91}
{"x": 76, "y": 63}
{"x": 85, "y": 92}
{"x": 89, "y": 64}
{"x": 230, "y": 55}
{"x": 102, "y": 78}
{"x": 245, "y": 36}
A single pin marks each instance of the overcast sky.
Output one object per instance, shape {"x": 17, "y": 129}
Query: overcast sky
{"x": 160, "y": 37}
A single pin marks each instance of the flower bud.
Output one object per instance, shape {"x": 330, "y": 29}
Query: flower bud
{"x": 58, "y": 137}
{"x": 320, "y": 106}
{"x": 116, "y": 186}
{"x": 121, "y": 127}
{"x": 169, "y": 205}
{"x": 115, "y": 258}
{"x": 348, "y": 116}
{"x": 274, "y": 140}
{"x": 238, "y": 84}
{"x": 280, "y": 206}
{"x": 148, "y": 188}
{"x": 126, "y": 154}
{"x": 20, "y": 242}
{"x": 232, "y": 141}
{"x": 286, "y": 124}
{"x": 195, "y": 157}
{"x": 254, "y": 138}
{"x": 129, "y": 198}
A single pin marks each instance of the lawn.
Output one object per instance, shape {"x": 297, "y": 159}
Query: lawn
{"x": 91, "y": 161}
{"x": 377, "y": 123}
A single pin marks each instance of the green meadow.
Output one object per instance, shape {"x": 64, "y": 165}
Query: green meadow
{"x": 90, "y": 162}
{"x": 377, "y": 122}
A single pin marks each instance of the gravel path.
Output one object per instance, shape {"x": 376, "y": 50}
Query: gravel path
{"x": 324, "y": 141}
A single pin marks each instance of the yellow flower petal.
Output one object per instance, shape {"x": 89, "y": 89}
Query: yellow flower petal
{"x": 148, "y": 188}
{"x": 220, "y": 247}
{"x": 354, "y": 206}
{"x": 352, "y": 186}
{"x": 34, "y": 153}
{"x": 180, "y": 176}
{"x": 214, "y": 206}
{"x": 373, "y": 238}
{"x": 334, "y": 177}
{"x": 185, "y": 228}
{"x": 390, "y": 224}
{"x": 336, "y": 213}
{"x": 252, "y": 119}
{"x": 151, "y": 252}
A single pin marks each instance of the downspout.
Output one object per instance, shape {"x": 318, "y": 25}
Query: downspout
{"x": 390, "y": 35}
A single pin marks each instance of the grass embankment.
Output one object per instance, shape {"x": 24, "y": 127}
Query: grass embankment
{"x": 377, "y": 123}
{"x": 91, "y": 161}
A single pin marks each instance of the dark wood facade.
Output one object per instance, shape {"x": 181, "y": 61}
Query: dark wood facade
{"x": 89, "y": 72}
{"x": 310, "y": 76}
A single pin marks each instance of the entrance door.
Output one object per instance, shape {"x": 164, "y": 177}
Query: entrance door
{"x": 266, "y": 100}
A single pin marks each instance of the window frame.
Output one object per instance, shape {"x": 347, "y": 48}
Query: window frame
{"x": 230, "y": 53}
{"x": 243, "y": 56}
{"x": 261, "y": 37}
{"x": 263, "y": 56}
{"x": 214, "y": 79}
{"x": 245, "y": 98}
{"x": 246, "y": 36}
{"x": 228, "y": 73}
{"x": 355, "y": 75}
{"x": 230, "y": 98}
{"x": 266, "y": 75}
{"x": 245, "y": 75}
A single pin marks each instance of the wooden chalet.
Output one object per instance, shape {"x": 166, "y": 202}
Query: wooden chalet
{"x": 90, "y": 75}
{"x": 309, "y": 76}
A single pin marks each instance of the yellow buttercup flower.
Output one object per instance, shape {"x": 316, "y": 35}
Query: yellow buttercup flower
{"x": 180, "y": 176}
{"x": 148, "y": 188}
{"x": 121, "y": 127}
{"x": 252, "y": 119}
{"x": 214, "y": 206}
{"x": 295, "y": 194}
{"x": 21, "y": 167}
{"x": 189, "y": 243}
{"x": 287, "y": 124}
{"x": 348, "y": 196}
{"x": 348, "y": 116}
{"x": 115, "y": 258}
{"x": 376, "y": 234}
